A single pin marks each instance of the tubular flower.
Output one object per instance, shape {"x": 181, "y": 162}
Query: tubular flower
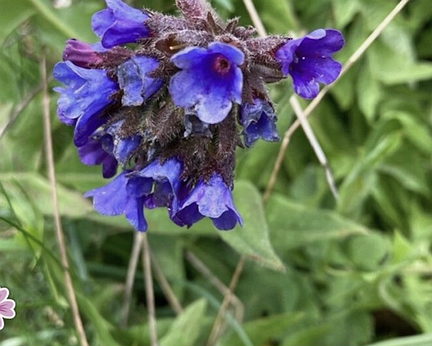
{"x": 113, "y": 199}
{"x": 309, "y": 60}
{"x": 209, "y": 81}
{"x": 94, "y": 152}
{"x": 81, "y": 54}
{"x": 87, "y": 93}
{"x": 165, "y": 179}
{"x": 212, "y": 199}
{"x": 258, "y": 120}
{"x": 165, "y": 114}
{"x": 135, "y": 82}
{"x": 119, "y": 24}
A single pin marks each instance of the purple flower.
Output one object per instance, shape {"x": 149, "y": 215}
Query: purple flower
{"x": 94, "y": 153}
{"x": 87, "y": 93}
{"x": 309, "y": 60}
{"x": 122, "y": 147}
{"x": 212, "y": 199}
{"x": 114, "y": 199}
{"x": 119, "y": 24}
{"x": 7, "y": 306}
{"x": 81, "y": 54}
{"x": 167, "y": 184}
{"x": 108, "y": 148}
{"x": 135, "y": 82}
{"x": 258, "y": 120}
{"x": 209, "y": 81}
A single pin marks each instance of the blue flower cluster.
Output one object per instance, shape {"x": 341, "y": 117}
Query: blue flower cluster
{"x": 166, "y": 100}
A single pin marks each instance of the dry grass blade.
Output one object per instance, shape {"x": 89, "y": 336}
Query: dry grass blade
{"x": 315, "y": 102}
{"x": 295, "y": 104}
{"x": 165, "y": 286}
{"x": 219, "y": 285}
{"x": 133, "y": 262}
{"x": 148, "y": 283}
{"x": 20, "y": 107}
{"x": 219, "y": 322}
{"x": 56, "y": 214}
{"x": 256, "y": 20}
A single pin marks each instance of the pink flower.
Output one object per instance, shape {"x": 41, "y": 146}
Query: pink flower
{"x": 7, "y": 306}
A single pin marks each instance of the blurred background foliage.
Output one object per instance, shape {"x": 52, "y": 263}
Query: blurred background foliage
{"x": 355, "y": 271}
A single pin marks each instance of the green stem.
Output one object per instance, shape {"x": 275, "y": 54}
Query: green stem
{"x": 52, "y": 18}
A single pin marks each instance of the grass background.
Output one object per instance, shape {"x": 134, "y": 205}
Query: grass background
{"x": 318, "y": 271}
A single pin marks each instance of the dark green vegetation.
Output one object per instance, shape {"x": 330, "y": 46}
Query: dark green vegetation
{"x": 319, "y": 273}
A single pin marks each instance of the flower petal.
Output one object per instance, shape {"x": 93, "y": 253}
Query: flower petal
{"x": 4, "y": 293}
{"x": 227, "y": 221}
{"x": 212, "y": 199}
{"x": 81, "y": 54}
{"x": 167, "y": 183}
{"x": 258, "y": 121}
{"x": 134, "y": 213}
{"x": 94, "y": 153}
{"x": 119, "y": 24}
{"x": 309, "y": 60}
{"x": 87, "y": 93}
{"x": 210, "y": 80}
{"x": 110, "y": 199}
{"x": 135, "y": 82}
{"x": 7, "y": 308}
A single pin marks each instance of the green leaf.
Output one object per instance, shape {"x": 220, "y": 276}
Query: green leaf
{"x": 100, "y": 325}
{"x": 375, "y": 245}
{"x": 392, "y": 68}
{"x": 139, "y": 333}
{"x": 252, "y": 240}
{"x": 7, "y": 245}
{"x": 279, "y": 17}
{"x": 407, "y": 169}
{"x": 402, "y": 249}
{"x": 413, "y": 128}
{"x": 71, "y": 203}
{"x": 311, "y": 336}
{"x": 29, "y": 218}
{"x": 186, "y": 328}
{"x": 170, "y": 257}
{"x": 265, "y": 330}
{"x": 418, "y": 340}
{"x": 293, "y": 225}
{"x": 359, "y": 183}
{"x": 344, "y": 11}
{"x": 369, "y": 93}
{"x": 58, "y": 19}
{"x": 12, "y": 14}
{"x": 227, "y": 4}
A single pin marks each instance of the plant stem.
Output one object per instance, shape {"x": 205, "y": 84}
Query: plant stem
{"x": 56, "y": 213}
{"x": 219, "y": 322}
{"x": 130, "y": 277}
{"x": 148, "y": 282}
